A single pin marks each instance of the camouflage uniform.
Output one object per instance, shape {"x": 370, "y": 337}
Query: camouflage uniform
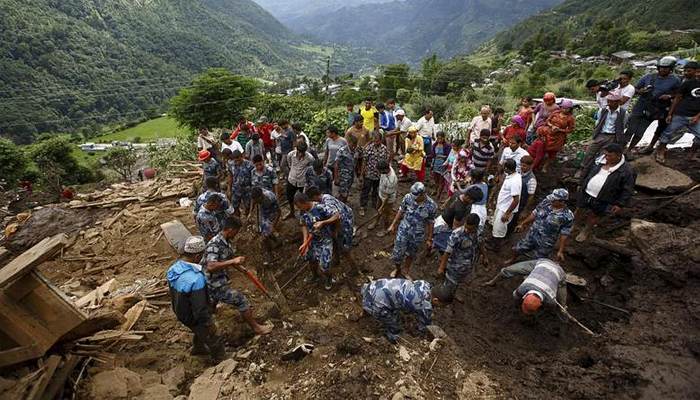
{"x": 226, "y": 207}
{"x": 411, "y": 231}
{"x": 211, "y": 168}
{"x": 347, "y": 222}
{"x": 321, "y": 247}
{"x": 220, "y": 249}
{"x": 545, "y": 230}
{"x": 464, "y": 250}
{"x": 346, "y": 173}
{"x": 323, "y": 182}
{"x": 267, "y": 210}
{"x": 240, "y": 182}
{"x": 385, "y": 298}
{"x": 209, "y": 222}
{"x": 267, "y": 179}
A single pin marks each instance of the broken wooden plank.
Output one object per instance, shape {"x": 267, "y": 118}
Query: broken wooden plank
{"x": 60, "y": 376}
{"x": 28, "y": 260}
{"x": 19, "y": 354}
{"x": 4, "y": 253}
{"x": 133, "y": 314}
{"x": 107, "y": 203}
{"x": 97, "y": 294}
{"x": 108, "y": 223}
{"x": 176, "y": 233}
{"x": 115, "y": 335}
{"x": 43, "y": 381}
{"x": 99, "y": 320}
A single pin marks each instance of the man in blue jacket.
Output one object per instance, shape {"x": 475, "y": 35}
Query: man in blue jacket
{"x": 190, "y": 299}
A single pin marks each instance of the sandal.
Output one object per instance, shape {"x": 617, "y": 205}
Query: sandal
{"x": 660, "y": 159}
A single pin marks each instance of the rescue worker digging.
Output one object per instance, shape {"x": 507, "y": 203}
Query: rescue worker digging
{"x": 462, "y": 252}
{"x": 268, "y": 213}
{"x": 384, "y": 299}
{"x": 219, "y": 257}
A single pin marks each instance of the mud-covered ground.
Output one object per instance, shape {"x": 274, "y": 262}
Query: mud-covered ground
{"x": 649, "y": 349}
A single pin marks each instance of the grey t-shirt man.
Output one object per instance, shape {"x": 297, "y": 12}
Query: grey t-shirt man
{"x": 332, "y": 146}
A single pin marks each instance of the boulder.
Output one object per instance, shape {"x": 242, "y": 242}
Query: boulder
{"x": 120, "y": 383}
{"x": 174, "y": 378}
{"x": 156, "y": 392}
{"x": 667, "y": 248}
{"x": 654, "y": 176}
{"x": 208, "y": 385}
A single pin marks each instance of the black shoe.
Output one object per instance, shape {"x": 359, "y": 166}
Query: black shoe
{"x": 200, "y": 350}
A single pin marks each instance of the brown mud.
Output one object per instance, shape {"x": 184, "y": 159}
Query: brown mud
{"x": 651, "y": 352}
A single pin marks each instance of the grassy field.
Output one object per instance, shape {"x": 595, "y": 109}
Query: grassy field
{"x": 149, "y": 131}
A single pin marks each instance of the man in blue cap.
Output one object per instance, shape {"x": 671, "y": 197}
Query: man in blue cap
{"x": 415, "y": 219}
{"x": 550, "y": 219}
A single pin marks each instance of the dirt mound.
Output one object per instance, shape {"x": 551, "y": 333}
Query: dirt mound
{"x": 50, "y": 221}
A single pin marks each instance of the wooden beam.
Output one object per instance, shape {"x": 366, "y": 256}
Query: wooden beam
{"x": 19, "y": 354}
{"x": 28, "y": 260}
{"x": 97, "y": 294}
{"x": 59, "y": 378}
{"x": 4, "y": 253}
{"x": 43, "y": 381}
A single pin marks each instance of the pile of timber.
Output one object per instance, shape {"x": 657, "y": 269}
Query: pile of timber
{"x": 182, "y": 181}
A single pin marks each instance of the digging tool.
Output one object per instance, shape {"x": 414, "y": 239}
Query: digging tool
{"x": 589, "y": 300}
{"x": 302, "y": 252}
{"x": 573, "y": 319}
{"x": 259, "y": 284}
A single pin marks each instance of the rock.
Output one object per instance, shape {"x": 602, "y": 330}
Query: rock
{"x": 124, "y": 303}
{"x": 437, "y": 332}
{"x": 181, "y": 397}
{"x": 146, "y": 358}
{"x": 120, "y": 383}
{"x": 156, "y": 392}
{"x": 654, "y": 176}
{"x": 226, "y": 368}
{"x": 403, "y": 353}
{"x": 666, "y": 248}
{"x": 174, "y": 378}
{"x": 205, "y": 388}
{"x": 150, "y": 378}
{"x": 398, "y": 396}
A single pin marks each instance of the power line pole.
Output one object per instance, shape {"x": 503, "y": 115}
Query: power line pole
{"x": 328, "y": 80}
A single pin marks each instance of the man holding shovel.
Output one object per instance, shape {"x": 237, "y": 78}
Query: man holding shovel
{"x": 218, "y": 258}
{"x": 388, "y": 183}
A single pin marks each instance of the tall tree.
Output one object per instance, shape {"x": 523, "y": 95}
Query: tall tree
{"x": 214, "y": 99}
{"x": 392, "y": 78}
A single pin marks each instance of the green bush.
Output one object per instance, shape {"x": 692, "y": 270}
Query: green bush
{"x": 137, "y": 139}
{"x": 584, "y": 127}
{"x": 57, "y": 164}
{"x": 13, "y": 161}
{"x": 300, "y": 109}
{"x": 316, "y": 129}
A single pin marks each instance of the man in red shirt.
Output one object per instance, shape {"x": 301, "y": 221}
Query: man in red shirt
{"x": 265, "y": 131}
{"x": 243, "y": 121}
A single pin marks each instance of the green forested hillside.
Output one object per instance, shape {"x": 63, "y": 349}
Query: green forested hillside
{"x": 75, "y": 64}
{"x": 592, "y": 27}
{"x": 410, "y": 30}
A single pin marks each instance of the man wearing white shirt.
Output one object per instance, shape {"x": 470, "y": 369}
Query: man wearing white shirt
{"x": 507, "y": 202}
{"x": 626, "y": 91}
{"x": 398, "y": 134}
{"x": 513, "y": 152}
{"x": 227, "y": 143}
{"x": 479, "y": 123}
{"x": 426, "y": 129}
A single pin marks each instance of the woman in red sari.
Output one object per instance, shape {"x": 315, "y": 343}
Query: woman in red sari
{"x": 558, "y": 125}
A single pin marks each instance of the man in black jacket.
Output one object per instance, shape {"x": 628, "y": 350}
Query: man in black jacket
{"x": 605, "y": 188}
{"x": 190, "y": 299}
{"x": 610, "y": 129}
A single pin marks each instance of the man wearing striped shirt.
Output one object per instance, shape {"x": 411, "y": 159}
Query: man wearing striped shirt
{"x": 482, "y": 151}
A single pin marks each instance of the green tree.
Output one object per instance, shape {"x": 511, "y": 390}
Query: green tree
{"x": 392, "y": 78}
{"x": 57, "y": 164}
{"x": 122, "y": 161}
{"x": 214, "y": 99}
{"x": 13, "y": 161}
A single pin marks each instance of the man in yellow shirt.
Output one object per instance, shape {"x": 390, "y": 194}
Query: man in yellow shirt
{"x": 369, "y": 115}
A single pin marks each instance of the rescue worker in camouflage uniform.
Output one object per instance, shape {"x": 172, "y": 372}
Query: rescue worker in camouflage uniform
{"x": 344, "y": 168}
{"x": 209, "y": 220}
{"x": 415, "y": 219}
{"x": 343, "y": 232}
{"x": 239, "y": 181}
{"x": 264, "y": 176}
{"x": 268, "y": 213}
{"x": 210, "y": 185}
{"x": 320, "y": 221}
{"x": 218, "y": 257}
{"x": 545, "y": 284}
{"x": 462, "y": 253}
{"x": 210, "y": 166}
{"x": 319, "y": 177}
{"x": 550, "y": 220}
{"x": 384, "y": 299}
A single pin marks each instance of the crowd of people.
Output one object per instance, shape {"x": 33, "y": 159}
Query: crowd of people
{"x": 488, "y": 177}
